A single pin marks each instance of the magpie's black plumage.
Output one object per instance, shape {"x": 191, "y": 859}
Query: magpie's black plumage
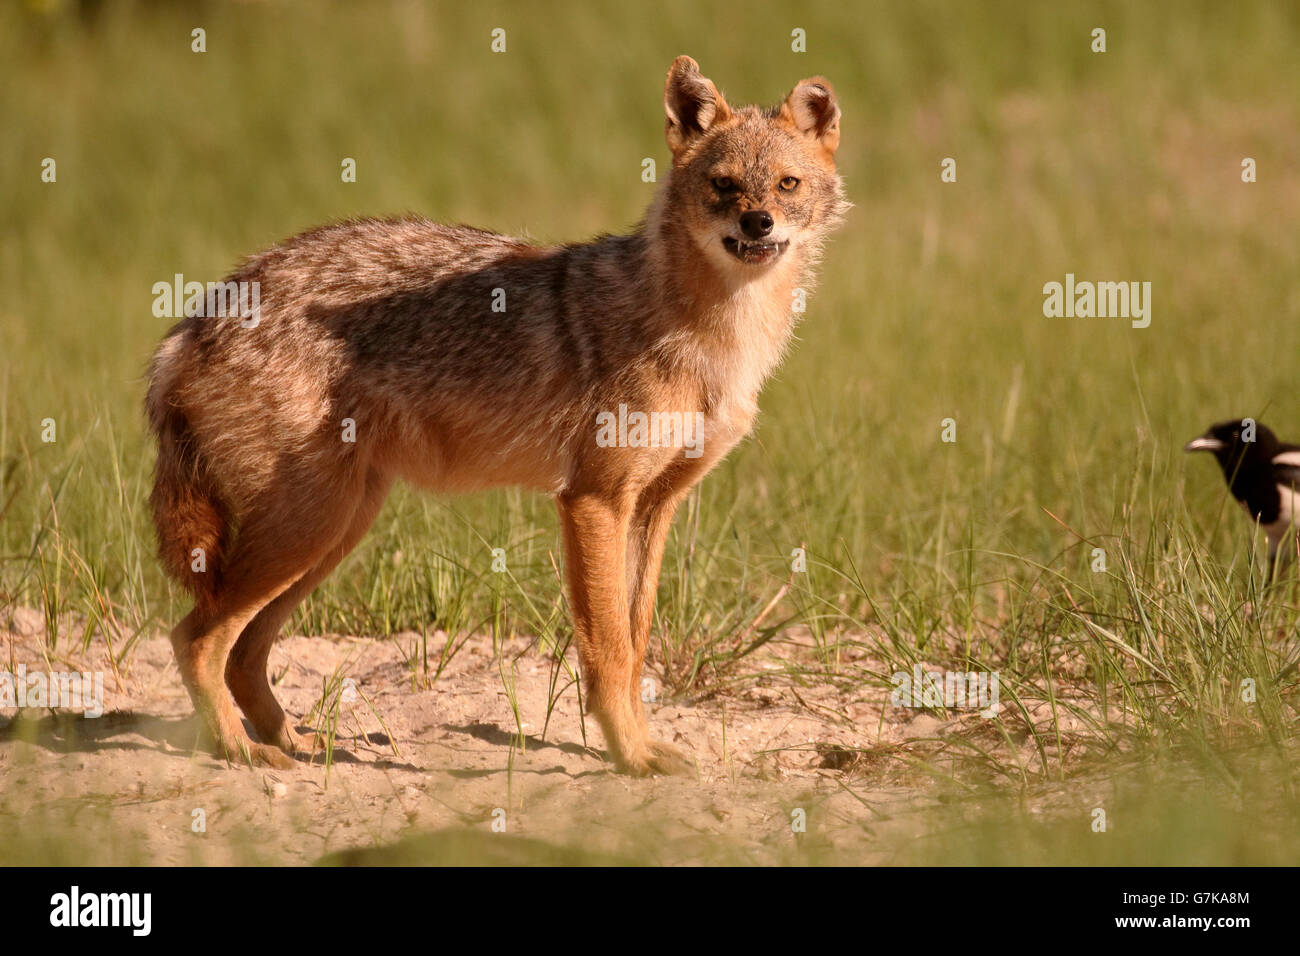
{"x": 1264, "y": 475}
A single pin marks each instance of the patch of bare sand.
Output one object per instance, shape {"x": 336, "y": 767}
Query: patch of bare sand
{"x": 437, "y": 769}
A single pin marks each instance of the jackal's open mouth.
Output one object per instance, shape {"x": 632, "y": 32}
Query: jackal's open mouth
{"x": 755, "y": 251}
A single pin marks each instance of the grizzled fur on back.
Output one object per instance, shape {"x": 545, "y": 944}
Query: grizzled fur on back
{"x": 388, "y": 325}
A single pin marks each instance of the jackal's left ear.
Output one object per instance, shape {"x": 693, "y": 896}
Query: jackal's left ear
{"x": 813, "y": 110}
{"x": 692, "y": 102}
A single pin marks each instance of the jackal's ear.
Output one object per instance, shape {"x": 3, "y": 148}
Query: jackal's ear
{"x": 692, "y": 102}
{"x": 812, "y": 109}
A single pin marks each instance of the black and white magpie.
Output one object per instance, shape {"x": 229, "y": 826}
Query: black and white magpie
{"x": 1263, "y": 474}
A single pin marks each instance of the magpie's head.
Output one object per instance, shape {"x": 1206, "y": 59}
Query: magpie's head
{"x": 1237, "y": 448}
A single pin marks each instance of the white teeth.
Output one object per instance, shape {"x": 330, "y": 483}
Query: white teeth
{"x": 760, "y": 245}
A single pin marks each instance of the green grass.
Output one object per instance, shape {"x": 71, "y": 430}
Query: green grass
{"x": 1115, "y": 166}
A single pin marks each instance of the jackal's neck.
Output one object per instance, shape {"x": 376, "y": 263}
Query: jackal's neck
{"x": 730, "y": 326}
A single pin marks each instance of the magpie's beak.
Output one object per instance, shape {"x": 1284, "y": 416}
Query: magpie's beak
{"x": 1204, "y": 444}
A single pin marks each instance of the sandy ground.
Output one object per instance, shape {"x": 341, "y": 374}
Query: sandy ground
{"x": 437, "y": 773}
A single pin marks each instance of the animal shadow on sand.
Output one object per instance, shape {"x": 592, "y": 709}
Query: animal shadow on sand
{"x": 492, "y": 734}
{"x": 63, "y": 732}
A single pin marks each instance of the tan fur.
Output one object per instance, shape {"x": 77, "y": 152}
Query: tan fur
{"x": 390, "y": 324}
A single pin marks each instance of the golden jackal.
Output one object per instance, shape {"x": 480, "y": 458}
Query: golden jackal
{"x": 458, "y": 359}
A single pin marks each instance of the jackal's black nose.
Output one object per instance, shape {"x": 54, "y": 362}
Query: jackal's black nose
{"x": 756, "y": 223}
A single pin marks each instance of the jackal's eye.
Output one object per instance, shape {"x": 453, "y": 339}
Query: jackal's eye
{"x": 723, "y": 184}
{"x": 788, "y": 184}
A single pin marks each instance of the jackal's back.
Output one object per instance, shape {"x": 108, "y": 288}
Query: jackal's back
{"x": 454, "y": 356}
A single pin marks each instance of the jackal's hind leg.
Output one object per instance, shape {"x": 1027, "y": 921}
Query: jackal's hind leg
{"x": 246, "y": 670}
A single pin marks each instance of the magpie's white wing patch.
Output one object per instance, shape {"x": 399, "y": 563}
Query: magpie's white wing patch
{"x": 1288, "y": 505}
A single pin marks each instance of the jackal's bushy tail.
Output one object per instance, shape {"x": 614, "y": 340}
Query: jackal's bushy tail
{"x": 191, "y": 521}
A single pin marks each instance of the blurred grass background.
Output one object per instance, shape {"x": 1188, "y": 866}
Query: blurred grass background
{"x": 1121, "y": 166}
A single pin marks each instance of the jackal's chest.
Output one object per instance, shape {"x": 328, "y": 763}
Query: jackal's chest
{"x": 730, "y": 417}
{"x": 732, "y": 383}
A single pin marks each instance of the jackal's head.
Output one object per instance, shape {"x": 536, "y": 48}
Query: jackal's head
{"x": 751, "y": 186}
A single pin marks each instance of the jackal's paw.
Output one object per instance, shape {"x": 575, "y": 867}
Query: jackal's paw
{"x": 299, "y": 746}
{"x": 663, "y": 760}
{"x": 312, "y": 750}
{"x": 264, "y": 755}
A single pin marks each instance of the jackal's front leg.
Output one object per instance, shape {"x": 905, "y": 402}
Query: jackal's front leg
{"x": 648, "y": 535}
{"x": 595, "y": 546}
